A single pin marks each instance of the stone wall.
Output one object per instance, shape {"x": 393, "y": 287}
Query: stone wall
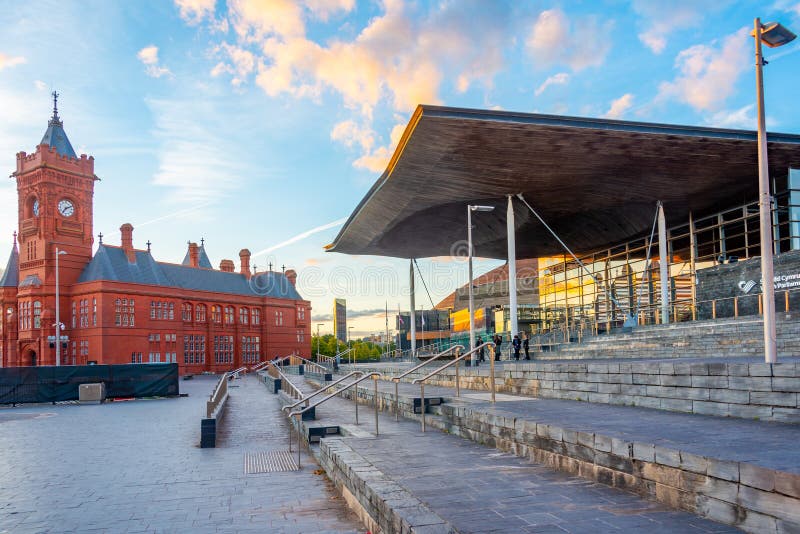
{"x": 746, "y": 390}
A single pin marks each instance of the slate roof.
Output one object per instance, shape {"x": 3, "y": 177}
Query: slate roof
{"x": 205, "y": 263}
{"x": 11, "y": 274}
{"x": 111, "y": 263}
{"x": 56, "y": 137}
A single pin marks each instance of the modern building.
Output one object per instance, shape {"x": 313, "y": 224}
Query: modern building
{"x": 340, "y": 320}
{"x": 662, "y": 218}
{"x": 121, "y": 305}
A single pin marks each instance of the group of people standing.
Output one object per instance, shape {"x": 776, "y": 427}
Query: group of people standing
{"x": 517, "y": 345}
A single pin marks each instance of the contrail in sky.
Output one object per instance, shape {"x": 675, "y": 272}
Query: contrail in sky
{"x": 300, "y": 237}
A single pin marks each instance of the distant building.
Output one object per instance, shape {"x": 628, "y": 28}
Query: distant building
{"x": 340, "y": 319}
{"x": 120, "y": 305}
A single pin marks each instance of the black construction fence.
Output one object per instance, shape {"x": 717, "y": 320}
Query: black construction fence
{"x": 55, "y": 384}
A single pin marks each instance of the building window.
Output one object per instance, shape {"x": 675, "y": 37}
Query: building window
{"x": 223, "y": 349}
{"x": 251, "y": 349}
{"x": 74, "y": 314}
{"x": 24, "y": 315}
{"x": 244, "y": 316}
{"x": 160, "y": 310}
{"x": 200, "y": 313}
{"x": 216, "y": 313}
{"x": 186, "y": 312}
{"x": 278, "y": 318}
{"x": 84, "y": 313}
{"x": 301, "y": 313}
{"x": 194, "y": 349}
{"x": 94, "y": 312}
{"x": 37, "y": 314}
{"x": 136, "y": 357}
{"x": 229, "y": 315}
{"x": 124, "y": 312}
{"x": 256, "y": 316}
{"x": 85, "y": 351}
{"x": 301, "y": 336}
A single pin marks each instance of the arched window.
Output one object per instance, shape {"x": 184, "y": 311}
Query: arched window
{"x": 37, "y": 314}
{"x": 229, "y": 315}
{"x": 244, "y": 316}
{"x": 256, "y": 316}
{"x": 200, "y": 313}
{"x": 186, "y": 312}
{"x": 216, "y": 313}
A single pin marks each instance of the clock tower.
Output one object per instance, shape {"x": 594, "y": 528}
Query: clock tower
{"x": 55, "y": 188}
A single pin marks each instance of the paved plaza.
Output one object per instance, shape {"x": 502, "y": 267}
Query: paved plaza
{"x": 136, "y": 467}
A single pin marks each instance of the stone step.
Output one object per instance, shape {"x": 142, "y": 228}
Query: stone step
{"x": 713, "y": 482}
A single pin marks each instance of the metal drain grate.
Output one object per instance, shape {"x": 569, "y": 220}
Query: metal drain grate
{"x": 268, "y": 462}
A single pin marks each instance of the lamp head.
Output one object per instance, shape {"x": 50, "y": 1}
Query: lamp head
{"x": 774, "y": 34}
{"x": 481, "y": 208}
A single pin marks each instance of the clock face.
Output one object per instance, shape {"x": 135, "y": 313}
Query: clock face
{"x": 66, "y": 208}
{"x": 36, "y": 207}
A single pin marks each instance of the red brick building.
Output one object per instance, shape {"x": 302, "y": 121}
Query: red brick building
{"x": 120, "y": 305}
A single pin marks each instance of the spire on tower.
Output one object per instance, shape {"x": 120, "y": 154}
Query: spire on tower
{"x": 15, "y": 239}
{"x": 55, "y": 120}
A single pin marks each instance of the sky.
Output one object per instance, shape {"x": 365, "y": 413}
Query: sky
{"x": 261, "y": 124}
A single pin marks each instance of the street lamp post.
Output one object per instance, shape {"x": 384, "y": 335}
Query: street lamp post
{"x": 350, "y": 343}
{"x": 58, "y": 312}
{"x": 319, "y": 340}
{"x": 470, "y": 209}
{"x": 773, "y": 35}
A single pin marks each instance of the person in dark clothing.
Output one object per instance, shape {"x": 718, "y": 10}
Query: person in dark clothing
{"x": 517, "y": 344}
{"x": 526, "y": 343}
{"x": 497, "y": 342}
{"x": 481, "y": 353}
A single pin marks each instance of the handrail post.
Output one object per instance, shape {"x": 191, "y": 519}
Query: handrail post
{"x": 375, "y": 380}
{"x": 396, "y": 401}
{"x": 491, "y": 368}
{"x": 458, "y": 391}
{"x": 422, "y": 403}
{"x": 355, "y": 398}
{"x": 299, "y": 440}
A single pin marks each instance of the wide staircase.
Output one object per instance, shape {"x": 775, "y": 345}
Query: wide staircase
{"x": 479, "y": 460}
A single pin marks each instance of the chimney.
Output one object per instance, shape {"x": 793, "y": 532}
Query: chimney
{"x": 127, "y": 241}
{"x": 194, "y": 255}
{"x": 291, "y": 274}
{"x": 244, "y": 257}
{"x": 227, "y": 266}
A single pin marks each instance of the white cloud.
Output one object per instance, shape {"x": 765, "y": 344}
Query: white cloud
{"x": 194, "y": 11}
{"x": 619, "y": 106}
{"x": 663, "y": 18}
{"x": 301, "y": 236}
{"x": 401, "y": 57}
{"x": 149, "y": 58}
{"x": 554, "y": 39}
{"x": 556, "y": 79}
{"x": 323, "y": 9}
{"x": 196, "y": 163}
{"x": 6, "y": 61}
{"x": 40, "y": 85}
{"x": 378, "y": 160}
{"x": 708, "y": 74}
{"x": 744, "y": 117}
{"x": 242, "y": 63}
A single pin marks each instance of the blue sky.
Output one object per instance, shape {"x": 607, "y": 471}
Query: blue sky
{"x": 253, "y": 123}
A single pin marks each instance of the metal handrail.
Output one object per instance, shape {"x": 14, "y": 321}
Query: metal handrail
{"x": 259, "y": 366}
{"x": 296, "y": 393}
{"x": 396, "y": 379}
{"x": 236, "y": 372}
{"x": 322, "y": 389}
{"x": 298, "y": 413}
{"x": 421, "y": 381}
{"x": 313, "y": 365}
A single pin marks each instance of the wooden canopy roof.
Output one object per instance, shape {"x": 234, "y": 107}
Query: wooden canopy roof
{"x": 594, "y": 181}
